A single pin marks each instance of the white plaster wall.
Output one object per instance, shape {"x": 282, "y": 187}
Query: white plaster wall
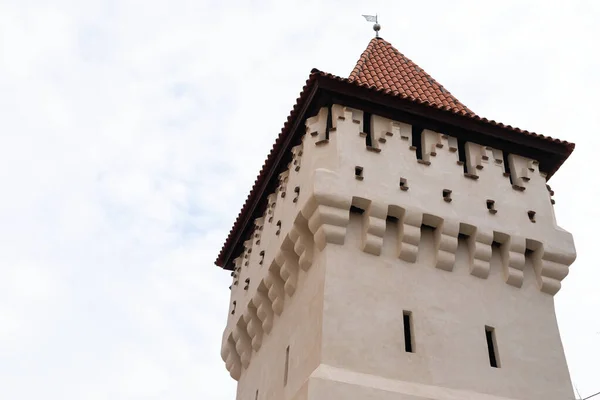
{"x": 333, "y": 285}
{"x": 365, "y": 296}
{"x": 300, "y": 327}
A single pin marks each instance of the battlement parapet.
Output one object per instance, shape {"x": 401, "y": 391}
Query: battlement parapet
{"x": 420, "y": 179}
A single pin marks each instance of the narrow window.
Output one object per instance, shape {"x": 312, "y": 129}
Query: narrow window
{"x": 490, "y": 337}
{"x": 506, "y": 166}
{"x": 367, "y": 129}
{"x": 287, "y": 365}
{"x": 462, "y": 154}
{"x": 329, "y": 122}
{"x": 256, "y": 396}
{"x": 416, "y": 141}
{"x": 531, "y": 215}
{"x": 408, "y": 335}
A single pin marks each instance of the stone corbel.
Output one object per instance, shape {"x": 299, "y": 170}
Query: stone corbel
{"x": 513, "y": 259}
{"x": 230, "y": 356}
{"x": 480, "y": 250}
{"x": 274, "y": 285}
{"x": 409, "y": 235}
{"x": 264, "y": 309}
{"x": 446, "y": 242}
{"x": 551, "y": 267}
{"x": 254, "y": 326}
{"x": 328, "y": 213}
{"x": 242, "y": 343}
{"x": 288, "y": 269}
{"x": 373, "y": 228}
{"x": 303, "y": 243}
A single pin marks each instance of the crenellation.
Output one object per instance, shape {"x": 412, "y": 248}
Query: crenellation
{"x": 522, "y": 170}
{"x": 316, "y": 213}
{"x": 271, "y": 203}
{"x": 386, "y": 254}
{"x": 316, "y": 126}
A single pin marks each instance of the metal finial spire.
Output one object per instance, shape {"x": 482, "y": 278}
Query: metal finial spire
{"x": 376, "y": 27}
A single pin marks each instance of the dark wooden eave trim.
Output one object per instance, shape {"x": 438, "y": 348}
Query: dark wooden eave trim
{"x": 272, "y": 170}
{"x": 324, "y": 89}
{"x": 551, "y": 153}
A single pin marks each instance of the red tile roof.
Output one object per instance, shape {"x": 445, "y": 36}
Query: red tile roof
{"x": 389, "y": 77}
{"x": 383, "y": 67}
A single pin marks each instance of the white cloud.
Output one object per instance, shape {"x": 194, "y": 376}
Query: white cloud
{"x": 130, "y": 133}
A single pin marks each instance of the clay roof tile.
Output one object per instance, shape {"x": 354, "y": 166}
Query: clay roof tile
{"x": 398, "y": 73}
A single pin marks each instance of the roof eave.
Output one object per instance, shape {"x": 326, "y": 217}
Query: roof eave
{"x": 552, "y": 152}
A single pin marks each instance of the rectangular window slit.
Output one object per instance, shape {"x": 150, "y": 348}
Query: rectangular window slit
{"x": 408, "y": 335}
{"x": 506, "y": 166}
{"x": 256, "y": 396}
{"x": 462, "y": 153}
{"x": 416, "y": 141}
{"x": 367, "y": 129}
{"x": 490, "y": 337}
{"x": 287, "y": 366}
{"x": 329, "y": 122}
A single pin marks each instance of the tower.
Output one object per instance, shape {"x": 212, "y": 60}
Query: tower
{"x": 397, "y": 246}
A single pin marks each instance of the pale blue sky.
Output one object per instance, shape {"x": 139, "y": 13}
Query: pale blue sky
{"x": 131, "y": 132}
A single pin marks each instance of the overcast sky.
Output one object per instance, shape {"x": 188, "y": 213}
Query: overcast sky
{"x": 131, "y": 132}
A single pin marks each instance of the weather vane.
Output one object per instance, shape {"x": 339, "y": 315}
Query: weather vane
{"x": 376, "y": 27}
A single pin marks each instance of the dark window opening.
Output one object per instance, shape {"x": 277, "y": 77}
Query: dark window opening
{"x": 408, "y": 336}
{"x": 531, "y": 215}
{"x": 287, "y": 366}
{"x": 329, "y": 122}
{"x": 506, "y": 166}
{"x": 358, "y": 172}
{"x": 256, "y": 396}
{"x": 447, "y": 195}
{"x": 490, "y": 337}
{"x": 491, "y": 206}
{"x": 367, "y": 129}
{"x": 416, "y": 141}
{"x": 403, "y": 184}
{"x": 462, "y": 153}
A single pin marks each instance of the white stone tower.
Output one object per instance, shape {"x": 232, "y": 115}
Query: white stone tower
{"x": 397, "y": 246}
